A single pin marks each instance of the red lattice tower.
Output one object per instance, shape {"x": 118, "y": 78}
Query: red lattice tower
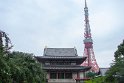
{"x": 88, "y": 42}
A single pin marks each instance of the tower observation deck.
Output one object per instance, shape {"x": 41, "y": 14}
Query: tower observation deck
{"x": 88, "y": 44}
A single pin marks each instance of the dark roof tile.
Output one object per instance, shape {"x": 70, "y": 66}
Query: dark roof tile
{"x": 60, "y": 52}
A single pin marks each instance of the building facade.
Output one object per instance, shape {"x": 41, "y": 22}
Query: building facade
{"x": 103, "y": 71}
{"x": 63, "y": 65}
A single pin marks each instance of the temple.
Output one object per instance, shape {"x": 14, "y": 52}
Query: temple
{"x": 62, "y": 65}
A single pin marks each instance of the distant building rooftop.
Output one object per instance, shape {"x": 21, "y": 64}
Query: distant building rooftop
{"x": 103, "y": 71}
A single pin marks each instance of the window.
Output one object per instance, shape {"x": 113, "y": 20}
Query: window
{"x": 68, "y": 75}
{"x": 60, "y": 75}
{"x": 53, "y": 75}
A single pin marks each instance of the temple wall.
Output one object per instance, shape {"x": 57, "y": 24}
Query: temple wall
{"x": 82, "y": 74}
{"x": 61, "y": 81}
{"x": 74, "y": 75}
{"x": 47, "y": 75}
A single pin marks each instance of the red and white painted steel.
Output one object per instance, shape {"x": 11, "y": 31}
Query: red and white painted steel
{"x": 88, "y": 44}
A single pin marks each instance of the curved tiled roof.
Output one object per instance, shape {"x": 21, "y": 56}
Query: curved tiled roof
{"x": 60, "y": 52}
{"x": 71, "y": 67}
{"x": 61, "y": 57}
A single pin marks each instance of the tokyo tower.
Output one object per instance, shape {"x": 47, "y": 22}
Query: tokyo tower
{"x": 88, "y": 44}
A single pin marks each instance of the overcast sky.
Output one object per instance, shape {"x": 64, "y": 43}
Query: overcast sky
{"x": 34, "y": 24}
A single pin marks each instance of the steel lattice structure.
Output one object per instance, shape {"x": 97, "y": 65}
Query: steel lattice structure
{"x": 88, "y": 42}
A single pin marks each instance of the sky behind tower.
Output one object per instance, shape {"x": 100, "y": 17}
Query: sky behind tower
{"x": 34, "y": 24}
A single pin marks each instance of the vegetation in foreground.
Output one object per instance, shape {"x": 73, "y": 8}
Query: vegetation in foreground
{"x": 96, "y": 80}
{"x": 18, "y": 67}
{"x": 116, "y": 72}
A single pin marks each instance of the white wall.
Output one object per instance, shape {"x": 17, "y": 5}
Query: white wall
{"x": 81, "y": 74}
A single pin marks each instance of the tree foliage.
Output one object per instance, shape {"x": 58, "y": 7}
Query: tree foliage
{"x": 19, "y": 67}
{"x": 99, "y": 79}
{"x": 91, "y": 74}
{"x": 116, "y": 72}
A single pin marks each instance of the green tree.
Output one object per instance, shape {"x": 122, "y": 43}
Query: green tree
{"x": 4, "y": 68}
{"x": 18, "y": 67}
{"x": 26, "y": 68}
{"x": 91, "y": 74}
{"x": 116, "y": 72}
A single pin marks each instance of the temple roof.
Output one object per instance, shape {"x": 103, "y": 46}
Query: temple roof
{"x": 78, "y": 59}
{"x": 44, "y": 58}
{"x": 60, "y": 57}
{"x": 71, "y": 67}
{"x": 60, "y": 54}
{"x": 67, "y": 52}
